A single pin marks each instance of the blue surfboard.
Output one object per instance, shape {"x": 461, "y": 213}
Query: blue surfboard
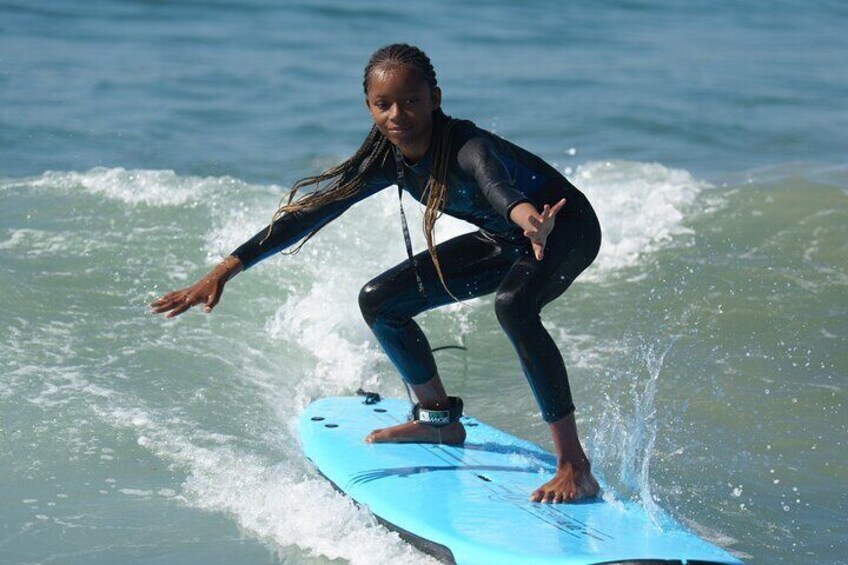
{"x": 469, "y": 504}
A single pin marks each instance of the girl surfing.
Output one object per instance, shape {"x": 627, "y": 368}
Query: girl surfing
{"x": 536, "y": 234}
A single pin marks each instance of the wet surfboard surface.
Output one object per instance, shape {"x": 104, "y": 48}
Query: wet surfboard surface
{"x": 469, "y": 504}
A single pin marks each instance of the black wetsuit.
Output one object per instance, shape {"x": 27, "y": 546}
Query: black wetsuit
{"x": 487, "y": 177}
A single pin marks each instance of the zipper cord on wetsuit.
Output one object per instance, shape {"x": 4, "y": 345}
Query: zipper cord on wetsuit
{"x": 406, "y": 238}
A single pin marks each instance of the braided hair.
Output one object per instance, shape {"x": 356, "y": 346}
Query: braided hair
{"x": 348, "y": 177}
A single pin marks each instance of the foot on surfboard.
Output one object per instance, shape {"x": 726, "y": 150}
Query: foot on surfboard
{"x": 417, "y": 432}
{"x": 568, "y": 485}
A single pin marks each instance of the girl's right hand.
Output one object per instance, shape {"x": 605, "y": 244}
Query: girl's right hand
{"x": 206, "y": 291}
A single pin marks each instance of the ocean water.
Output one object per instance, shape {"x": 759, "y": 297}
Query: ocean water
{"x": 141, "y": 141}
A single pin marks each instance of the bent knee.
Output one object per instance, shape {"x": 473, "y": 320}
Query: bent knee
{"x": 513, "y": 308}
{"x": 369, "y": 302}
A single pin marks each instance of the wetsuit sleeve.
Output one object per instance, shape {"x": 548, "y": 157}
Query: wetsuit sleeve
{"x": 478, "y": 158}
{"x": 292, "y": 227}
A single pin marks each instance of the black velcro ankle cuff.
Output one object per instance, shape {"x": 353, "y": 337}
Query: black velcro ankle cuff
{"x": 439, "y": 418}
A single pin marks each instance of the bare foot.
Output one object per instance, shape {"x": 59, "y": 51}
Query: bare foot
{"x": 569, "y": 484}
{"x": 416, "y": 432}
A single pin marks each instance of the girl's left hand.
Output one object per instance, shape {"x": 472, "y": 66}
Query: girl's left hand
{"x": 541, "y": 226}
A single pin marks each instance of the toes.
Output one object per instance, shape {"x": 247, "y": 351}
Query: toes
{"x": 559, "y": 491}
{"x": 372, "y": 437}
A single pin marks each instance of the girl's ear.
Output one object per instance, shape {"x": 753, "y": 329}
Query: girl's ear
{"x": 437, "y": 98}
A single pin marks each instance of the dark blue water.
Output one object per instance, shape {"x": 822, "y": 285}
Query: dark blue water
{"x": 256, "y": 89}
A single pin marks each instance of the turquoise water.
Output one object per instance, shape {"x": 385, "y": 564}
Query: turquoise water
{"x": 141, "y": 141}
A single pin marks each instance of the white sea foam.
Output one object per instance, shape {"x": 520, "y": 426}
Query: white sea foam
{"x": 136, "y": 492}
{"x": 136, "y": 186}
{"x": 330, "y": 328}
{"x": 280, "y": 502}
{"x": 642, "y": 207}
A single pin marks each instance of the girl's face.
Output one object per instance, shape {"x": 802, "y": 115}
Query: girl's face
{"x": 402, "y": 104}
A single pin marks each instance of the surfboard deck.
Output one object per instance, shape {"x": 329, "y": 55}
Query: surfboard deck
{"x": 469, "y": 504}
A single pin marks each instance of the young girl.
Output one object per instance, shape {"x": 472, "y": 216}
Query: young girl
{"x": 536, "y": 234}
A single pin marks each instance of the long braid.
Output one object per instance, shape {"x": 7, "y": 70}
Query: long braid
{"x": 437, "y": 191}
{"x": 349, "y": 176}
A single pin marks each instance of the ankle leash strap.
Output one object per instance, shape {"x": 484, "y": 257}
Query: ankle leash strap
{"x": 439, "y": 418}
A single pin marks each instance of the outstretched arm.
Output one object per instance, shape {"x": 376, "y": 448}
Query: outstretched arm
{"x": 286, "y": 231}
{"x": 206, "y": 291}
